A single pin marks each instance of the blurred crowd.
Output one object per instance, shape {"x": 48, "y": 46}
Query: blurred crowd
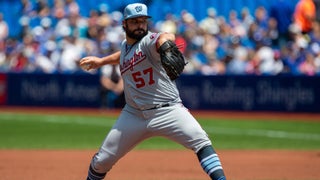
{"x": 283, "y": 39}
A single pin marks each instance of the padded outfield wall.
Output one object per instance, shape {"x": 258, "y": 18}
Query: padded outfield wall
{"x": 251, "y": 93}
{"x": 58, "y": 90}
{"x": 243, "y": 93}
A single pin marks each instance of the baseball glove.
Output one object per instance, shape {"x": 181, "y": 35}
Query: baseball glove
{"x": 172, "y": 59}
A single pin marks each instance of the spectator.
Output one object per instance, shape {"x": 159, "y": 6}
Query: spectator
{"x": 272, "y": 33}
{"x": 292, "y": 55}
{"x": 71, "y": 53}
{"x": 92, "y": 31}
{"x": 4, "y": 32}
{"x": 194, "y": 63}
{"x": 71, "y": 8}
{"x": 114, "y": 32}
{"x": 209, "y": 45}
{"x": 246, "y": 18}
{"x": 258, "y": 30}
{"x": 214, "y": 67}
{"x": 48, "y": 58}
{"x": 210, "y": 24}
{"x": 27, "y": 7}
{"x": 267, "y": 63}
{"x": 168, "y": 25}
{"x": 237, "y": 27}
{"x": 265, "y": 60}
{"x": 239, "y": 56}
{"x": 314, "y": 37}
{"x": 282, "y": 11}
{"x": 58, "y": 11}
{"x": 314, "y": 44}
{"x": 104, "y": 46}
{"x": 22, "y": 57}
{"x": 308, "y": 66}
{"x": 304, "y": 15}
{"x": 261, "y": 17}
{"x": 224, "y": 39}
{"x": 189, "y": 23}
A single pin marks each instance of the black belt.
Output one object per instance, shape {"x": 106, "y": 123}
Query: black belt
{"x": 159, "y": 106}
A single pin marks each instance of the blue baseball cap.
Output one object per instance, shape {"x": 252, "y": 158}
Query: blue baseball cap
{"x": 135, "y": 10}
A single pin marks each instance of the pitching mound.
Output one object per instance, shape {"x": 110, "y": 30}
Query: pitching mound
{"x": 160, "y": 165}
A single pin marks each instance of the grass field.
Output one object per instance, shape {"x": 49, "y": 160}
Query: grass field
{"x": 20, "y": 130}
{"x": 59, "y": 143}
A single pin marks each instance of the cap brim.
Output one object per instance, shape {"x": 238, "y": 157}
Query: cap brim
{"x": 135, "y": 16}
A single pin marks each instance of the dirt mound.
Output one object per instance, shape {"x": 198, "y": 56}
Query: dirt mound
{"x": 160, "y": 165}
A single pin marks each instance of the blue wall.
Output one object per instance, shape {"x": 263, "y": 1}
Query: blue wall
{"x": 251, "y": 93}
{"x": 243, "y": 93}
{"x": 80, "y": 90}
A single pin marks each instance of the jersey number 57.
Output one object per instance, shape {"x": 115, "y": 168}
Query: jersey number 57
{"x": 143, "y": 77}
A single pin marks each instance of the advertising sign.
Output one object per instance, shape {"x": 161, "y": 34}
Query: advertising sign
{"x": 274, "y": 93}
{"x": 80, "y": 90}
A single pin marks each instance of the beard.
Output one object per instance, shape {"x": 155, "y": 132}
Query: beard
{"x": 136, "y": 34}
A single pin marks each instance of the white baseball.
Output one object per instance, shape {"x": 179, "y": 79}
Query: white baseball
{"x": 86, "y": 67}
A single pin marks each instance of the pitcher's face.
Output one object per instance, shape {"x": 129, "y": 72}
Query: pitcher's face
{"x": 136, "y": 28}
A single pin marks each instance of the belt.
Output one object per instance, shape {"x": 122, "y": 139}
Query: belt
{"x": 159, "y": 106}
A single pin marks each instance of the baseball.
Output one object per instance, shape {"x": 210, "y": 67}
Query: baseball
{"x": 86, "y": 67}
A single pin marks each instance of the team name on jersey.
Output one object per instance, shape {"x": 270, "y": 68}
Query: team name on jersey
{"x": 131, "y": 62}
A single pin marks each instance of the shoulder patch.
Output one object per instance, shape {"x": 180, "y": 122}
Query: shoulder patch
{"x": 153, "y": 35}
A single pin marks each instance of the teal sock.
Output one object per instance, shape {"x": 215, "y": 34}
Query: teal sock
{"x": 210, "y": 163}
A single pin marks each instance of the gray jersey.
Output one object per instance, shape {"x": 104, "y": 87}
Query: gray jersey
{"x": 146, "y": 83}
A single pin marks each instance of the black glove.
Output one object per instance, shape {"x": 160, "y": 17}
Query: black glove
{"x": 172, "y": 59}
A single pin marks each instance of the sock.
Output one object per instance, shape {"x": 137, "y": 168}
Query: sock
{"x": 210, "y": 163}
{"x": 93, "y": 175}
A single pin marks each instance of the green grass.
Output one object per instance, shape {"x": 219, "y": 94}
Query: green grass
{"x": 38, "y": 131}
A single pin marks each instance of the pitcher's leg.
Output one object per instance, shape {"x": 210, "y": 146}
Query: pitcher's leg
{"x": 106, "y": 157}
{"x": 177, "y": 124}
{"x": 128, "y": 131}
{"x": 93, "y": 175}
{"x": 210, "y": 163}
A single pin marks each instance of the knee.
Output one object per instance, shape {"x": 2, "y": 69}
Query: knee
{"x": 102, "y": 163}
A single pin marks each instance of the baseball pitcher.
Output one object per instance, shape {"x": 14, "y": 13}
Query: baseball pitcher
{"x": 149, "y": 64}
